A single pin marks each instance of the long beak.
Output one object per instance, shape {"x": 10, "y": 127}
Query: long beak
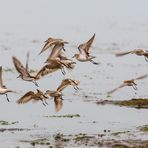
{"x": 18, "y": 76}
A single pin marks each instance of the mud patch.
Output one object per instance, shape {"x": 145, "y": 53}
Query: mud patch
{"x": 135, "y": 103}
{"x": 64, "y": 116}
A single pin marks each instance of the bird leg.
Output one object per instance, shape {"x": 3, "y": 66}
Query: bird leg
{"x": 134, "y": 87}
{"x": 63, "y": 71}
{"x": 94, "y": 62}
{"x": 7, "y": 98}
{"x": 43, "y": 102}
{"x": 76, "y": 88}
{"x": 146, "y": 58}
{"x": 36, "y": 84}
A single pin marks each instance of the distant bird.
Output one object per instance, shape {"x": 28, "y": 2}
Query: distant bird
{"x": 138, "y": 52}
{"x": 52, "y": 41}
{"x": 24, "y": 74}
{"x": 38, "y": 96}
{"x": 3, "y": 88}
{"x": 84, "y": 51}
{"x": 128, "y": 83}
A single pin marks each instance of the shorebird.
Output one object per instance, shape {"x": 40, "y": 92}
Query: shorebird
{"x": 24, "y": 74}
{"x": 128, "y": 83}
{"x": 39, "y": 95}
{"x": 3, "y": 88}
{"x": 57, "y": 94}
{"x": 52, "y": 41}
{"x": 84, "y": 51}
{"x": 58, "y": 54}
{"x": 52, "y": 66}
{"x": 67, "y": 82}
{"x": 138, "y": 52}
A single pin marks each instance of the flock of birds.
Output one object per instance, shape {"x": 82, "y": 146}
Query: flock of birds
{"x": 58, "y": 60}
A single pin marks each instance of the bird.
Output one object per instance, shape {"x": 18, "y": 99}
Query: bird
{"x": 138, "y": 52}
{"x": 24, "y": 74}
{"x": 67, "y": 82}
{"x": 52, "y": 66}
{"x": 128, "y": 83}
{"x": 36, "y": 96}
{"x": 84, "y": 52}
{"x": 53, "y": 41}
{"x": 57, "y": 53}
{"x": 3, "y": 88}
{"x": 57, "y": 94}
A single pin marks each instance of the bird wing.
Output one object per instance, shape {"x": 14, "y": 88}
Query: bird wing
{"x": 58, "y": 103}
{"x": 48, "y": 68}
{"x": 26, "y": 98}
{"x": 63, "y": 56}
{"x": 122, "y": 53}
{"x": 141, "y": 77}
{"x": 1, "y": 79}
{"x": 19, "y": 67}
{"x": 27, "y": 60}
{"x": 122, "y": 85}
{"x": 63, "y": 85}
{"x": 56, "y": 51}
{"x": 85, "y": 47}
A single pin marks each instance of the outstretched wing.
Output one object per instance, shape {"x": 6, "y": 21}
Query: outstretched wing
{"x": 26, "y": 98}
{"x": 63, "y": 85}
{"x": 48, "y": 68}
{"x": 58, "y": 103}
{"x": 1, "y": 79}
{"x": 85, "y": 47}
{"x": 110, "y": 92}
{"x": 56, "y": 51}
{"x": 19, "y": 67}
{"x": 141, "y": 77}
{"x": 122, "y": 53}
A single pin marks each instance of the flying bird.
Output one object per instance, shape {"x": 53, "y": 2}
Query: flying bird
{"x": 23, "y": 72}
{"x": 138, "y": 52}
{"x": 84, "y": 51}
{"x": 128, "y": 83}
{"x": 36, "y": 96}
{"x": 3, "y": 88}
{"x": 52, "y": 41}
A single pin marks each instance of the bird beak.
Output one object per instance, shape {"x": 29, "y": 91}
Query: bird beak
{"x": 18, "y": 76}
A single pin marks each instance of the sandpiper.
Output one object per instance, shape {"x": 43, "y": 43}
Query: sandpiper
{"x": 52, "y": 66}
{"x": 52, "y": 41}
{"x": 67, "y": 82}
{"x": 138, "y": 52}
{"x": 3, "y": 88}
{"x": 58, "y": 54}
{"x": 39, "y": 95}
{"x": 24, "y": 74}
{"x": 128, "y": 83}
{"x": 84, "y": 51}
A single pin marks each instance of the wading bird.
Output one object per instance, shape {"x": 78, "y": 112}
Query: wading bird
{"x": 52, "y": 41}
{"x": 3, "y": 88}
{"x": 84, "y": 52}
{"x": 24, "y": 74}
{"x": 138, "y": 52}
{"x": 57, "y": 94}
{"x": 38, "y": 96}
{"x": 128, "y": 83}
